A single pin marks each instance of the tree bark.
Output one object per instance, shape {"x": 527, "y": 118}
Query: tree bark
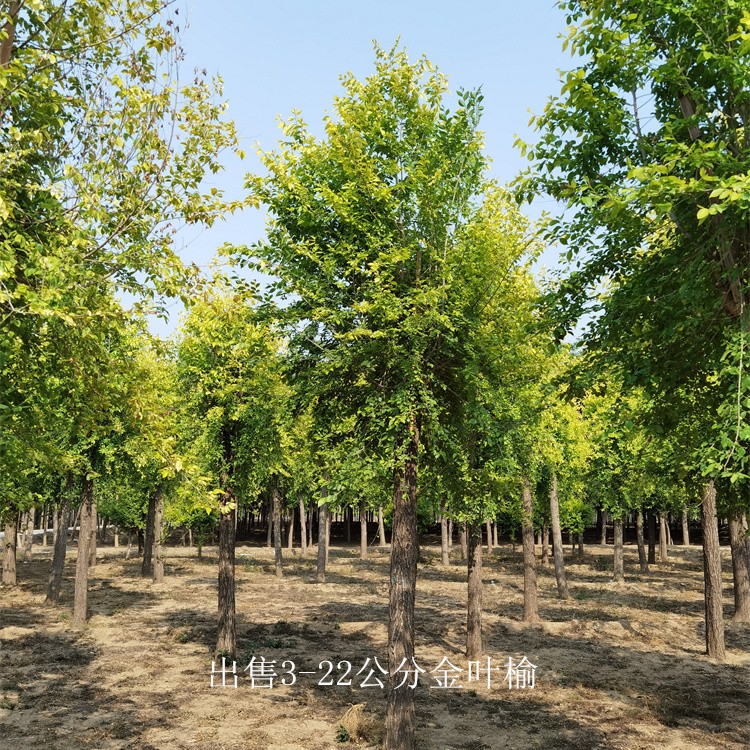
{"x": 444, "y": 552}
{"x": 226, "y": 642}
{"x": 276, "y": 501}
{"x": 739, "y": 568}
{"x": 400, "y": 729}
{"x": 147, "y": 566}
{"x": 618, "y": 565}
{"x": 9, "y": 555}
{"x": 290, "y": 530}
{"x": 362, "y": 529}
{"x": 462, "y": 542}
{"x": 323, "y": 536}
{"x": 302, "y": 527}
{"x": 488, "y": 529}
{"x": 530, "y": 602}
{"x": 28, "y": 534}
{"x": 85, "y": 519}
{"x": 651, "y": 537}
{"x": 557, "y": 543}
{"x": 60, "y": 546}
{"x": 450, "y": 533}
{"x": 545, "y": 543}
{"x": 92, "y": 530}
{"x": 685, "y": 528}
{"x": 663, "y": 552}
{"x": 714, "y": 607}
{"x": 381, "y": 528}
{"x": 474, "y": 608}
{"x": 603, "y": 540}
{"x": 642, "y": 556}
{"x": 158, "y": 547}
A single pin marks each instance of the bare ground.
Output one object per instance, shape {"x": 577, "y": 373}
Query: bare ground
{"x": 618, "y": 666}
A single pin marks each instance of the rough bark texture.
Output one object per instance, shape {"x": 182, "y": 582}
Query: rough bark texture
{"x": 462, "y": 541}
{"x": 545, "y": 543}
{"x": 322, "y": 537}
{"x": 9, "y": 545}
{"x": 739, "y": 569}
{"x": 530, "y": 602}
{"x": 651, "y": 537}
{"x": 663, "y": 551}
{"x": 381, "y": 528}
{"x": 400, "y": 728}
{"x": 444, "y": 551}
{"x": 488, "y": 528}
{"x": 92, "y": 531}
{"x": 619, "y": 566}
{"x": 362, "y": 529}
{"x": 226, "y": 642}
{"x": 712, "y": 575}
{"x": 603, "y": 540}
{"x": 474, "y": 608}
{"x": 147, "y": 568}
{"x": 642, "y": 556}
{"x": 276, "y": 501}
{"x": 28, "y": 534}
{"x": 60, "y": 547}
{"x": 685, "y": 529}
{"x": 85, "y": 519}
{"x": 290, "y": 530}
{"x": 157, "y": 546}
{"x": 557, "y": 542}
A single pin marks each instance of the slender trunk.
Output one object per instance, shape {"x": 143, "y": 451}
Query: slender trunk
{"x": 348, "y": 523}
{"x": 651, "y": 537}
{"x": 116, "y": 537}
{"x": 642, "y": 556}
{"x": 302, "y": 527}
{"x": 158, "y": 547}
{"x": 663, "y": 553}
{"x": 603, "y": 540}
{"x": 381, "y": 528}
{"x": 670, "y": 543}
{"x": 400, "y": 729}
{"x": 9, "y": 556}
{"x": 269, "y": 530}
{"x": 9, "y": 32}
{"x": 276, "y": 501}
{"x": 488, "y": 528}
{"x": 739, "y": 568}
{"x": 92, "y": 531}
{"x": 226, "y": 642}
{"x": 28, "y": 534}
{"x": 714, "y": 606}
{"x": 462, "y": 541}
{"x": 494, "y": 534}
{"x": 362, "y": 529}
{"x": 474, "y": 608}
{"x": 580, "y": 544}
{"x": 290, "y": 530}
{"x": 323, "y": 536}
{"x": 103, "y": 531}
{"x": 147, "y": 566}
{"x": 530, "y": 603}
{"x": 450, "y": 533}
{"x": 44, "y": 522}
{"x": 60, "y": 546}
{"x": 685, "y": 528}
{"x": 545, "y": 543}
{"x": 444, "y": 556}
{"x": 747, "y": 541}
{"x": 86, "y": 518}
{"x": 557, "y": 543}
{"x": 619, "y": 566}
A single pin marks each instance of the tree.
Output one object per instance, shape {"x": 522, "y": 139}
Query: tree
{"x": 361, "y": 230}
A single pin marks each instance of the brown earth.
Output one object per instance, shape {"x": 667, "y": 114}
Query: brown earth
{"x": 617, "y": 666}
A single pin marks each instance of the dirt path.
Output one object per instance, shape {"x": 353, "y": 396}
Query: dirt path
{"x": 616, "y": 666}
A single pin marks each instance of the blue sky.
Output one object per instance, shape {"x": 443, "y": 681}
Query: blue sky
{"x": 289, "y": 54}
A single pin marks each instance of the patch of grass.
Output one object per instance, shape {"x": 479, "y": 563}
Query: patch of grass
{"x": 5, "y": 703}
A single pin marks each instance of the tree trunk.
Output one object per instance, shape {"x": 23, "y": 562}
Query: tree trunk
{"x": 603, "y": 540}
{"x": 158, "y": 547}
{"x": 323, "y": 536}
{"x": 685, "y": 528}
{"x": 663, "y": 552}
{"x": 545, "y": 543}
{"x": 462, "y": 542}
{"x": 9, "y": 556}
{"x": 670, "y": 543}
{"x": 530, "y": 603}
{"x": 651, "y": 537}
{"x": 714, "y": 606}
{"x": 494, "y": 534}
{"x": 362, "y": 529}
{"x": 226, "y": 642}
{"x": 381, "y": 528}
{"x": 557, "y": 543}
{"x": 580, "y": 544}
{"x": 302, "y": 527}
{"x": 739, "y": 568}
{"x": 86, "y": 519}
{"x": 642, "y": 556}
{"x": 348, "y": 512}
{"x": 450, "y": 533}
{"x": 276, "y": 500}
{"x": 474, "y": 609}
{"x": 488, "y": 528}
{"x": 147, "y": 567}
{"x": 28, "y": 534}
{"x": 60, "y": 546}
{"x": 290, "y": 530}
{"x": 269, "y": 530}
{"x": 444, "y": 552}
{"x": 400, "y": 726}
{"x": 92, "y": 531}
{"x": 618, "y": 565}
